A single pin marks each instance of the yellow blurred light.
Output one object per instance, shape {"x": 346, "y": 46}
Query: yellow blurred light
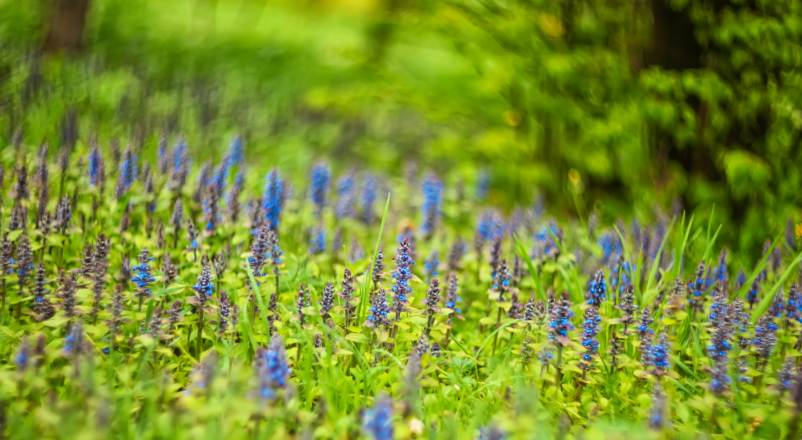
{"x": 574, "y": 177}
{"x": 416, "y": 426}
{"x": 551, "y": 25}
{"x": 512, "y": 118}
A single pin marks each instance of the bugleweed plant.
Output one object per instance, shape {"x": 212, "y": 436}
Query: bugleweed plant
{"x": 166, "y": 296}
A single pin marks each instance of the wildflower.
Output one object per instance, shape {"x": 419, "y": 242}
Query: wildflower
{"x": 452, "y": 298}
{"x": 402, "y": 275}
{"x": 274, "y": 251}
{"x": 408, "y": 234}
{"x": 597, "y": 289}
{"x": 21, "y": 187}
{"x": 547, "y": 241}
{"x": 790, "y": 236}
{"x": 645, "y": 336}
{"x": 19, "y": 217}
{"x": 517, "y": 271}
{"x": 611, "y": 246}
{"x": 720, "y": 345}
{"x": 23, "y": 357}
{"x": 41, "y": 304}
{"x": 155, "y": 324}
{"x": 718, "y": 309}
{"x": 495, "y": 258}
{"x": 432, "y": 204}
{"x": 720, "y": 380}
{"x": 431, "y": 265}
{"x": 63, "y": 214}
{"x": 356, "y": 253}
{"x": 492, "y": 432}
{"x": 753, "y": 293}
{"x": 6, "y": 258}
{"x": 777, "y": 305}
{"x": 627, "y": 305}
{"x": 659, "y": 234}
{"x": 116, "y": 311}
{"x": 786, "y": 379}
{"x": 169, "y": 269}
{"x": 345, "y": 196}
{"x": 68, "y": 282}
{"x": 482, "y": 185}
{"x": 378, "y": 269}
{"x": 202, "y": 374}
{"x": 697, "y": 287}
{"x": 211, "y": 212}
{"x": 765, "y": 337}
{"x": 793, "y": 307}
{"x": 163, "y": 156}
{"x": 412, "y": 373}
{"x": 625, "y": 277}
{"x": 24, "y": 259}
{"x": 143, "y": 277}
{"x": 379, "y": 310}
{"x": 560, "y": 323}
{"x": 150, "y": 205}
{"x": 220, "y": 263}
{"x": 455, "y": 255}
{"x": 317, "y": 241}
{"x": 590, "y": 341}
{"x": 489, "y": 228}
{"x": 327, "y": 301}
{"x": 192, "y": 232}
{"x": 740, "y": 320}
{"x": 74, "y": 341}
{"x": 180, "y": 166}
{"x": 95, "y": 167}
{"x": 319, "y": 187}
{"x": 236, "y": 152}
{"x": 776, "y": 259}
{"x": 432, "y": 302}
{"x": 368, "y": 199}
{"x": 659, "y": 356}
{"x": 174, "y": 315}
{"x": 502, "y": 281}
{"x": 86, "y": 262}
{"x": 272, "y": 369}
{"x": 301, "y": 302}
{"x": 741, "y": 280}
{"x": 234, "y": 196}
{"x": 273, "y": 199}
{"x": 657, "y": 413}
{"x": 127, "y": 174}
{"x": 530, "y": 309}
{"x": 204, "y": 287}
{"x": 218, "y": 181}
{"x": 615, "y": 270}
{"x": 377, "y": 422}
{"x": 224, "y": 312}
{"x": 720, "y": 274}
{"x": 259, "y": 251}
{"x": 676, "y": 296}
{"x": 204, "y": 180}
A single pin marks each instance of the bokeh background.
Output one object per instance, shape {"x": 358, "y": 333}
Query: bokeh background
{"x": 620, "y": 109}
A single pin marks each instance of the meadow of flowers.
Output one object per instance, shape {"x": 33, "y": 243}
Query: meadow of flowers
{"x": 155, "y": 293}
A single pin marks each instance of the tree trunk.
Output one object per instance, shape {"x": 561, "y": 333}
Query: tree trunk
{"x": 65, "y": 26}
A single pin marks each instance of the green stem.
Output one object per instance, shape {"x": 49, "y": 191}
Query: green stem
{"x": 498, "y": 324}
{"x": 200, "y": 330}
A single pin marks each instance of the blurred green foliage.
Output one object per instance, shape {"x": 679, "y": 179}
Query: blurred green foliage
{"x": 619, "y": 108}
